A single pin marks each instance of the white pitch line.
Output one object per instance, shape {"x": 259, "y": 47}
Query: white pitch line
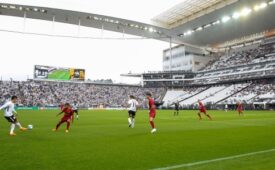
{"x": 214, "y": 160}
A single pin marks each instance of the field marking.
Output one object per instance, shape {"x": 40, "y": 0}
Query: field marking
{"x": 214, "y": 160}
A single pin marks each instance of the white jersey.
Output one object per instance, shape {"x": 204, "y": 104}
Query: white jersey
{"x": 132, "y": 105}
{"x": 9, "y": 109}
{"x": 74, "y": 106}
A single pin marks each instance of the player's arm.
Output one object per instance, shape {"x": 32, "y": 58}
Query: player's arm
{"x": 4, "y": 106}
{"x": 14, "y": 111}
{"x": 128, "y": 104}
{"x": 60, "y": 113}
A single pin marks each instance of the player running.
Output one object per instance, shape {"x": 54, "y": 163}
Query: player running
{"x": 75, "y": 109}
{"x": 9, "y": 115}
{"x": 202, "y": 109}
{"x": 152, "y": 111}
{"x": 132, "y": 110}
{"x": 226, "y": 108}
{"x": 68, "y": 117}
{"x": 177, "y": 105}
{"x": 240, "y": 108}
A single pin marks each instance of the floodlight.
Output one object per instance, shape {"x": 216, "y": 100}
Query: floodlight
{"x": 236, "y": 15}
{"x": 225, "y": 19}
{"x": 246, "y": 11}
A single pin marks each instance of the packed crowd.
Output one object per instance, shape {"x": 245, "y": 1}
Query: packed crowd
{"x": 242, "y": 57}
{"x": 42, "y": 93}
{"x": 253, "y": 92}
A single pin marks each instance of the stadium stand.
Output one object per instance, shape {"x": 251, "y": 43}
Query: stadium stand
{"x": 52, "y": 93}
{"x": 244, "y": 74}
{"x": 250, "y": 54}
{"x": 173, "y": 96}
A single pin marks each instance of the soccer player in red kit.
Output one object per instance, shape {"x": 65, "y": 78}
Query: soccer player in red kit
{"x": 240, "y": 108}
{"x": 202, "y": 109}
{"x": 152, "y": 111}
{"x": 68, "y": 117}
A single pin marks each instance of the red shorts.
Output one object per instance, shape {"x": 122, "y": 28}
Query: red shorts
{"x": 152, "y": 113}
{"x": 203, "y": 111}
{"x": 66, "y": 119}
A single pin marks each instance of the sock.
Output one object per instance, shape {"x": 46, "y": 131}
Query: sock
{"x": 199, "y": 115}
{"x": 129, "y": 120}
{"x": 209, "y": 117}
{"x": 12, "y": 128}
{"x": 68, "y": 125}
{"x": 133, "y": 122}
{"x": 152, "y": 124}
{"x": 18, "y": 124}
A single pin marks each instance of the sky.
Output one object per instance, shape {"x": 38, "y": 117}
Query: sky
{"x": 102, "y": 59}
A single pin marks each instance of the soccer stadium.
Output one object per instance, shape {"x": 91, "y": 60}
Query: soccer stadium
{"x": 137, "y": 85}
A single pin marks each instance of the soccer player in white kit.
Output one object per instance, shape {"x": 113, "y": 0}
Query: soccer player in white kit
{"x": 132, "y": 111}
{"x": 75, "y": 109}
{"x": 226, "y": 107}
{"x": 9, "y": 110}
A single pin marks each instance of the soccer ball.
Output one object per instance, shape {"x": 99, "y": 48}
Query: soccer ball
{"x": 30, "y": 127}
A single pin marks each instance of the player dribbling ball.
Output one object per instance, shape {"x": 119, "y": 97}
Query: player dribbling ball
{"x": 68, "y": 117}
{"x": 9, "y": 115}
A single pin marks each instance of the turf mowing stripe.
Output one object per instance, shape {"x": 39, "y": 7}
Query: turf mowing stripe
{"x": 214, "y": 160}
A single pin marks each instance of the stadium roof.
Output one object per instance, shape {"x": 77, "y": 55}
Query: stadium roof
{"x": 242, "y": 18}
{"x": 188, "y": 10}
{"x": 135, "y": 10}
{"x": 189, "y": 22}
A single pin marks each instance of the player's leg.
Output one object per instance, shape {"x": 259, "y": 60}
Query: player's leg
{"x": 12, "y": 121}
{"x": 206, "y": 114}
{"x": 18, "y": 124}
{"x": 199, "y": 114}
{"x": 130, "y": 118}
{"x": 68, "y": 125}
{"x": 241, "y": 113}
{"x": 12, "y": 129}
{"x": 77, "y": 115}
{"x": 15, "y": 121}
{"x": 58, "y": 125}
{"x": 151, "y": 119}
{"x": 133, "y": 119}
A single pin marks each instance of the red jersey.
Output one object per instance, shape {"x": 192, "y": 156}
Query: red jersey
{"x": 201, "y": 107}
{"x": 240, "y": 107}
{"x": 152, "y": 106}
{"x": 68, "y": 112}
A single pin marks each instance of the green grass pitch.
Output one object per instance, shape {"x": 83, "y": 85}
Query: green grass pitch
{"x": 59, "y": 75}
{"x": 102, "y": 140}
